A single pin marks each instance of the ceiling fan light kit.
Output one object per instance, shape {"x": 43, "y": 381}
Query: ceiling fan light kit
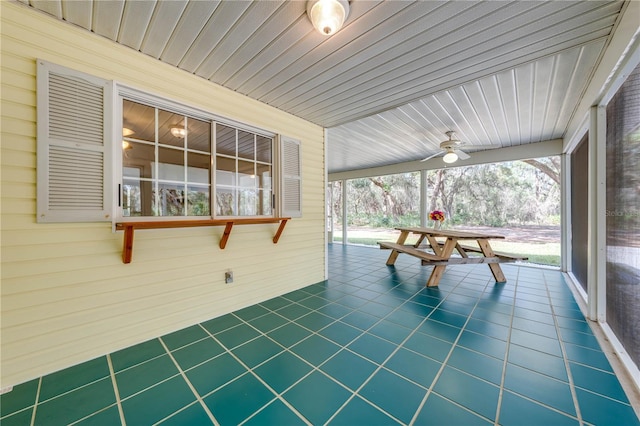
{"x": 450, "y": 156}
{"x": 327, "y": 16}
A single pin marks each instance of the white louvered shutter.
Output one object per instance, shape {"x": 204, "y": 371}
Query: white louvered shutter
{"x": 291, "y": 178}
{"x": 74, "y": 179}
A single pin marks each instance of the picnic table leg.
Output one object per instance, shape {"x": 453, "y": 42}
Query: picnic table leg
{"x": 394, "y": 253}
{"x": 435, "y": 245}
{"x": 496, "y": 270}
{"x": 438, "y": 271}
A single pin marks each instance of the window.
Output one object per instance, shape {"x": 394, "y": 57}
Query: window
{"x": 166, "y": 163}
{"x": 243, "y": 172}
{"x": 170, "y": 161}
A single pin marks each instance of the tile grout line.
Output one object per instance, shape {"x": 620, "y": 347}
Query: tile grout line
{"x": 572, "y": 386}
{"x": 445, "y": 361}
{"x": 506, "y": 352}
{"x": 36, "y": 402}
{"x": 186, "y": 379}
{"x": 116, "y": 390}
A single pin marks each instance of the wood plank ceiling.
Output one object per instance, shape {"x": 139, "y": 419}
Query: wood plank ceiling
{"x": 394, "y": 79}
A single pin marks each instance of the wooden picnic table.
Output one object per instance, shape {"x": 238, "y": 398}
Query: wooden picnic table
{"x": 440, "y": 253}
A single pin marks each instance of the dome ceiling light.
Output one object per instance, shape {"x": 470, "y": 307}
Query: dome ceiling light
{"x": 327, "y": 16}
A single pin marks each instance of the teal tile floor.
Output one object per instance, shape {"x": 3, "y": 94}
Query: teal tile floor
{"x": 370, "y": 346}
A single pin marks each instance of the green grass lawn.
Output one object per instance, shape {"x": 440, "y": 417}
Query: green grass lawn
{"x": 538, "y": 253}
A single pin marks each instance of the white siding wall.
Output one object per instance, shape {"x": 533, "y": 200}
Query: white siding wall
{"x": 66, "y": 295}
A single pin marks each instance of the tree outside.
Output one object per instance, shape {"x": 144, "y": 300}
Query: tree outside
{"x": 521, "y": 198}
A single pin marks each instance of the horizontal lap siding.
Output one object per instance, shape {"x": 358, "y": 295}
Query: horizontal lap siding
{"x": 66, "y": 295}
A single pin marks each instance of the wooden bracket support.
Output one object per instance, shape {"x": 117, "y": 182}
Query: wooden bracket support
{"x": 130, "y": 227}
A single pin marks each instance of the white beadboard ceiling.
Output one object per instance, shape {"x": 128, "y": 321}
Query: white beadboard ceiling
{"x": 394, "y": 79}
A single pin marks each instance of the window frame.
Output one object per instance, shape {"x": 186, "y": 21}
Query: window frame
{"x": 123, "y": 92}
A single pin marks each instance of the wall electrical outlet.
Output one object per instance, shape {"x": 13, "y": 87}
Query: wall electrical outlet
{"x": 228, "y": 277}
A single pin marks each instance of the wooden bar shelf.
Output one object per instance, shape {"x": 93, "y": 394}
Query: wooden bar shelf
{"x": 130, "y": 227}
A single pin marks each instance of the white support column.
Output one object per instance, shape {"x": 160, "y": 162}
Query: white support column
{"x": 344, "y": 211}
{"x": 565, "y": 212}
{"x": 424, "y": 214}
{"x": 596, "y": 275}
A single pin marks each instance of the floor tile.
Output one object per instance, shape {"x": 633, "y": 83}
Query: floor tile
{"x": 237, "y": 335}
{"x": 293, "y": 311}
{"x": 214, "y": 373}
{"x": 470, "y": 392}
{"x": 328, "y": 397}
{"x": 238, "y": 400}
{"x": 334, "y": 310}
{"x": 372, "y": 348}
{"x": 349, "y": 369}
{"x": 108, "y": 416}
{"x": 490, "y": 329}
{"x": 340, "y": 333}
{"x": 536, "y": 342}
{"x": 194, "y": 414}
{"x": 314, "y": 321}
{"x": 296, "y": 295}
{"x": 448, "y": 318}
{"x": 390, "y": 331}
{"x": 197, "y": 353}
{"x": 376, "y": 309}
{"x": 276, "y": 303}
{"x": 145, "y": 375}
{"x": 518, "y": 411}
{"x": 136, "y": 354}
{"x": 543, "y": 389}
{"x": 360, "y": 412}
{"x": 405, "y": 319}
{"x": 538, "y": 361}
{"x": 73, "y": 377}
{"x": 257, "y": 351}
{"x": 251, "y": 312}
{"x": 477, "y": 364}
{"x": 315, "y": 349}
{"x": 393, "y": 394}
{"x": 21, "y": 397}
{"x": 76, "y": 404}
{"x": 414, "y": 367}
{"x": 222, "y": 323}
{"x": 289, "y": 334}
{"x": 597, "y": 381}
{"x": 360, "y": 320}
{"x": 429, "y": 346}
{"x": 314, "y": 302}
{"x": 439, "y": 330}
{"x": 547, "y": 330}
{"x": 20, "y": 418}
{"x": 439, "y": 411}
{"x": 276, "y": 413}
{"x": 268, "y": 322}
{"x": 183, "y": 337}
{"x": 483, "y": 344}
{"x": 586, "y": 340}
{"x": 282, "y": 371}
{"x": 590, "y": 357}
{"x": 599, "y": 410}
{"x": 158, "y": 402}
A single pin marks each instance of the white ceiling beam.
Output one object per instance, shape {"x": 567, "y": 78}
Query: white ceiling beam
{"x": 512, "y": 153}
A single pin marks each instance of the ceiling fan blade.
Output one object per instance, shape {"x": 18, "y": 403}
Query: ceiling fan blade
{"x": 430, "y": 157}
{"x": 461, "y": 154}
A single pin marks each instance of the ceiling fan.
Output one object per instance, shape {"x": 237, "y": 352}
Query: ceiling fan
{"x": 450, "y": 148}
